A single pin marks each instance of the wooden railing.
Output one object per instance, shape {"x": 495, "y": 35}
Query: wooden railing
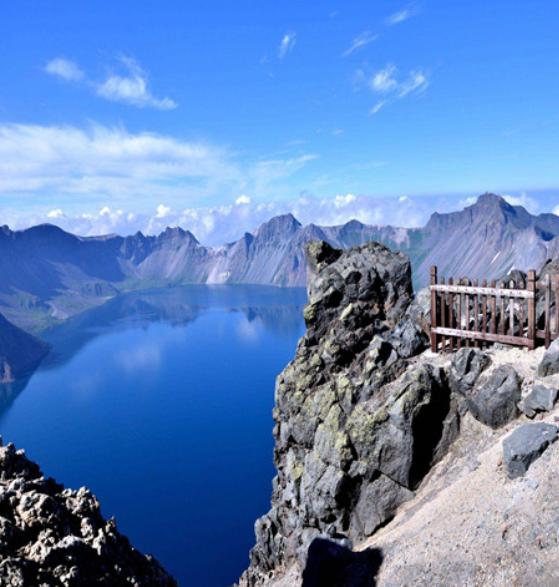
{"x": 465, "y": 313}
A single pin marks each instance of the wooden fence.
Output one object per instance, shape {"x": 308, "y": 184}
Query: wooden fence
{"x": 465, "y": 313}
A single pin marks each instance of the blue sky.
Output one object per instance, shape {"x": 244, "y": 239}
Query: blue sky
{"x": 125, "y": 114}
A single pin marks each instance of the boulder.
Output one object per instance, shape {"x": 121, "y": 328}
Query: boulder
{"x": 549, "y": 365}
{"x": 540, "y": 399}
{"x": 465, "y": 369}
{"x": 525, "y": 445}
{"x": 408, "y": 338}
{"x": 493, "y": 400}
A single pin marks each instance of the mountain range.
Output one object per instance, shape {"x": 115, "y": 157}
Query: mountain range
{"x": 47, "y": 274}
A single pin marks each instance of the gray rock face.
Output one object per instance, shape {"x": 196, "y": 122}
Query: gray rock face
{"x": 540, "y": 399}
{"x": 419, "y": 311}
{"x": 408, "y": 338}
{"x": 55, "y": 536}
{"x": 525, "y": 445}
{"x": 494, "y": 399}
{"x": 549, "y": 364}
{"x": 353, "y": 436}
{"x": 466, "y": 367}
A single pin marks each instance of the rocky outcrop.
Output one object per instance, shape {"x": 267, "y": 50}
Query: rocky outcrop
{"x": 541, "y": 399}
{"x": 54, "y": 536}
{"x": 525, "y": 445}
{"x": 354, "y": 434}
{"x": 491, "y": 395}
{"x": 494, "y": 401}
{"x": 20, "y": 352}
{"x": 549, "y": 364}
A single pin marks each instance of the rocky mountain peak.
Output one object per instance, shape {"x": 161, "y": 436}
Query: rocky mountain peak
{"x": 279, "y": 228}
{"x": 489, "y": 208}
{"x": 177, "y": 233}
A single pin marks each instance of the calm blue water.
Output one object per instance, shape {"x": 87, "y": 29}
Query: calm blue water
{"x": 161, "y": 403}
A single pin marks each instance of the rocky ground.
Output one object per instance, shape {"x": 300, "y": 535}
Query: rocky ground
{"x": 51, "y": 536}
{"x": 400, "y": 467}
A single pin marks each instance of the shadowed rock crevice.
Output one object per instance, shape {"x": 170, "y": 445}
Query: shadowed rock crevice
{"x": 427, "y": 429}
{"x": 331, "y": 564}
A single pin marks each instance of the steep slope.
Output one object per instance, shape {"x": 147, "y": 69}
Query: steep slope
{"x": 49, "y": 274}
{"x": 20, "y": 352}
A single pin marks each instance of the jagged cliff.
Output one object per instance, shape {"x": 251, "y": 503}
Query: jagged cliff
{"x": 54, "y": 536}
{"x": 370, "y": 425}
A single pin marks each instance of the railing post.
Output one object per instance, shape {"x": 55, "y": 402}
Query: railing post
{"x": 433, "y": 310}
{"x": 532, "y": 310}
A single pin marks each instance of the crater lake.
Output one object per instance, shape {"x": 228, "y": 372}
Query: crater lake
{"x": 160, "y": 402}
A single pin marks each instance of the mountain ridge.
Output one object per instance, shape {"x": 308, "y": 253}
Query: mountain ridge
{"x": 49, "y": 274}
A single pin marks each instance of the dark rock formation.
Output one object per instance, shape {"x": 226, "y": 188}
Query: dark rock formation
{"x": 57, "y": 537}
{"x": 540, "y": 399}
{"x": 466, "y": 367}
{"x": 525, "y": 445}
{"x": 549, "y": 364}
{"x": 20, "y": 352}
{"x": 353, "y": 437}
{"x": 494, "y": 399}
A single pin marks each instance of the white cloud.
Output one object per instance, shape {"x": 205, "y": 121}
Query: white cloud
{"x": 391, "y": 85}
{"x": 162, "y": 211}
{"x": 132, "y": 88}
{"x": 383, "y": 81}
{"x": 340, "y": 201}
{"x": 107, "y": 168}
{"x": 108, "y": 163}
{"x": 287, "y": 43}
{"x": 360, "y": 41}
{"x": 377, "y": 106}
{"x": 402, "y": 15}
{"x": 416, "y": 82}
{"x": 64, "y": 69}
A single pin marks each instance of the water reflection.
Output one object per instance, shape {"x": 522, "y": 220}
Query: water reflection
{"x": 278, "y": 310}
